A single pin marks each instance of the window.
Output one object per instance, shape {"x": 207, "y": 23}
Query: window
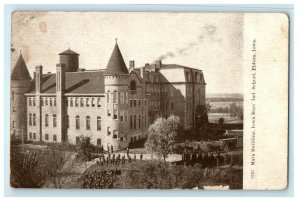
{"x": 99, "y": 123}
{"x": 115, "y": 97}
{"x": 107, "y": 96}
{"x": 54, "y": 138}
{"x": 14, "y": 109}
{"x": 172, "y": 106}
{"x": 71, "y": 102}
{"x": 87, "y": 104}
{"x": 122, "y": 97}
{"x": 54, "y": 120}
{"x": 108, "y": 131}
{"x": 81, "y": 102}
{"x": 98, "y": 102}
{"x": 115, "y": 135}
{"x": 134, "y": 103}
{"x": 139, "y": 103}
{"x": 33, "y": 101}
{"x": 134, "y": 122}
{"x": 76, "y": 102}
{"x": 54, "y": 101}
{"x": 33, "y": 120}
{"x": 130, "y": 121}
{"x": 14, "y": 124}
{"x": 50, "y": 102}
{"x": 88, "y": 123}
{"x": 131, "y": 102}
{"x": 132, "y": 87}
{"x": 46, "y": 101}
{"x": 99, "y": 142}
{"x": 13, "y": 96}
{"x": 125, "y": 115}
{"x": 93, "y": 102}
{"x": 77, "y": 122}
{"x": 30, "y": 135}
{"x": 122, "y": 116}
{"x": 42, "y": 102}
{"x": 46, "y": 120}
{"x": 145, "y": 103}
{"x": 30, "y": 119}
{"x": 30, "y": 102}
{"x": 34, "y": 135}
{"x": 126, "y": 97}
{"x": 108, "y": 113}
{"x": 46, "y": 137}
{"x": 139, "y": 121}
{"x": 67, "y": 102}
{"x": 115, "y": 114}
{"x": 68, "y": 121}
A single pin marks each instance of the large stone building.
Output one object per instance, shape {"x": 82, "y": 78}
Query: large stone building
{"x": 113, "y": 106}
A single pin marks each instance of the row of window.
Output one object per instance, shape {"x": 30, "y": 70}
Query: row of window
{"x": 83, "y": 102}
{"x": 33, "y": 136}
{"x": 137, "y": 103}
{"x": 162, "y": 106}
{"x": 137, "y": 120}
{"x": 117, "y": 97}
{"x": 87, "y": 122}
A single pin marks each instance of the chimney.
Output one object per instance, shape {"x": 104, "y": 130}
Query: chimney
{"x": 131, "y": 64}
{"x": 38, "y": 78}
{"x": 60, "y": 77}
{"x": 142, "y": 72}
{"x": 158, "y": 63}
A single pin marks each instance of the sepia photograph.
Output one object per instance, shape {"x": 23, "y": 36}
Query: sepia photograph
{"x": 126, "y": 100}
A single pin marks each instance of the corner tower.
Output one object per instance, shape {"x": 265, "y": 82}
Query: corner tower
{"x": 116, "y": 78}
{"x": 20, "y": 84}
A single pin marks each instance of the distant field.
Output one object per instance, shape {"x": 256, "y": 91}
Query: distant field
{"x": 214, "y": 118}
{"x": 224, "y": 104}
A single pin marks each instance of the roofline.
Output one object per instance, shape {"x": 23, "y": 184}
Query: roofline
{"x": 70, "y": 94}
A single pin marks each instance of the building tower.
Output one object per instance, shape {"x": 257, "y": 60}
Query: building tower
{"x": 116, "y": 78}
{"x": 70, "y": 59}
{"x": 20, "y": 84}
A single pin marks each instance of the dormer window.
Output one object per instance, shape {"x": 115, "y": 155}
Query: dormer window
{"x": 133, "y": 87}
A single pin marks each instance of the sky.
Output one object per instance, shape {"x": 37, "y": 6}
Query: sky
{"x": 211, "y": 42}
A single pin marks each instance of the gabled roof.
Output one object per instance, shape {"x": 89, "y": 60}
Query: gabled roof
{"x": 20, "y": 71}
{"x": 68, "y": 52}
{"x": 116, "y": 64}
{"x": 91, "y": 82}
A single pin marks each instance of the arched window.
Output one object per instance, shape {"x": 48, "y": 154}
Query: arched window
{"x": 87, "y": 102}
{"x": 46, "y": 120}
{"x": 76, "y": 102}
{"x": 98, "y": 102}
{"x": 88, "y": 123}
{"x": 77, "y": 122}
{"x": 139, "y": 121}
{"x": 81, "y": 102}
{"x": 134, "y": 122}
{"x": 98, "y": 123}
{"x": 132, "y": 87}
{"x": 30, "y": 119}
{"x": 93, "y": 102}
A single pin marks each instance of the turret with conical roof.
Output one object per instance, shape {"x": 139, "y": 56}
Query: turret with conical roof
{"x": 116, "y": 64}
{"x": 20, "y": 84}
{"x": 116, "y": 78}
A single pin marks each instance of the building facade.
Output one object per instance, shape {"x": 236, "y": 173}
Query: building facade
{"x": 114, "y": 106}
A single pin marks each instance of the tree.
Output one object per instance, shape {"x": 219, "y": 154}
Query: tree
{"x": 161, "y": 136}
{"x": 84, "y": 149}
{"x": 221, "y": 121}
